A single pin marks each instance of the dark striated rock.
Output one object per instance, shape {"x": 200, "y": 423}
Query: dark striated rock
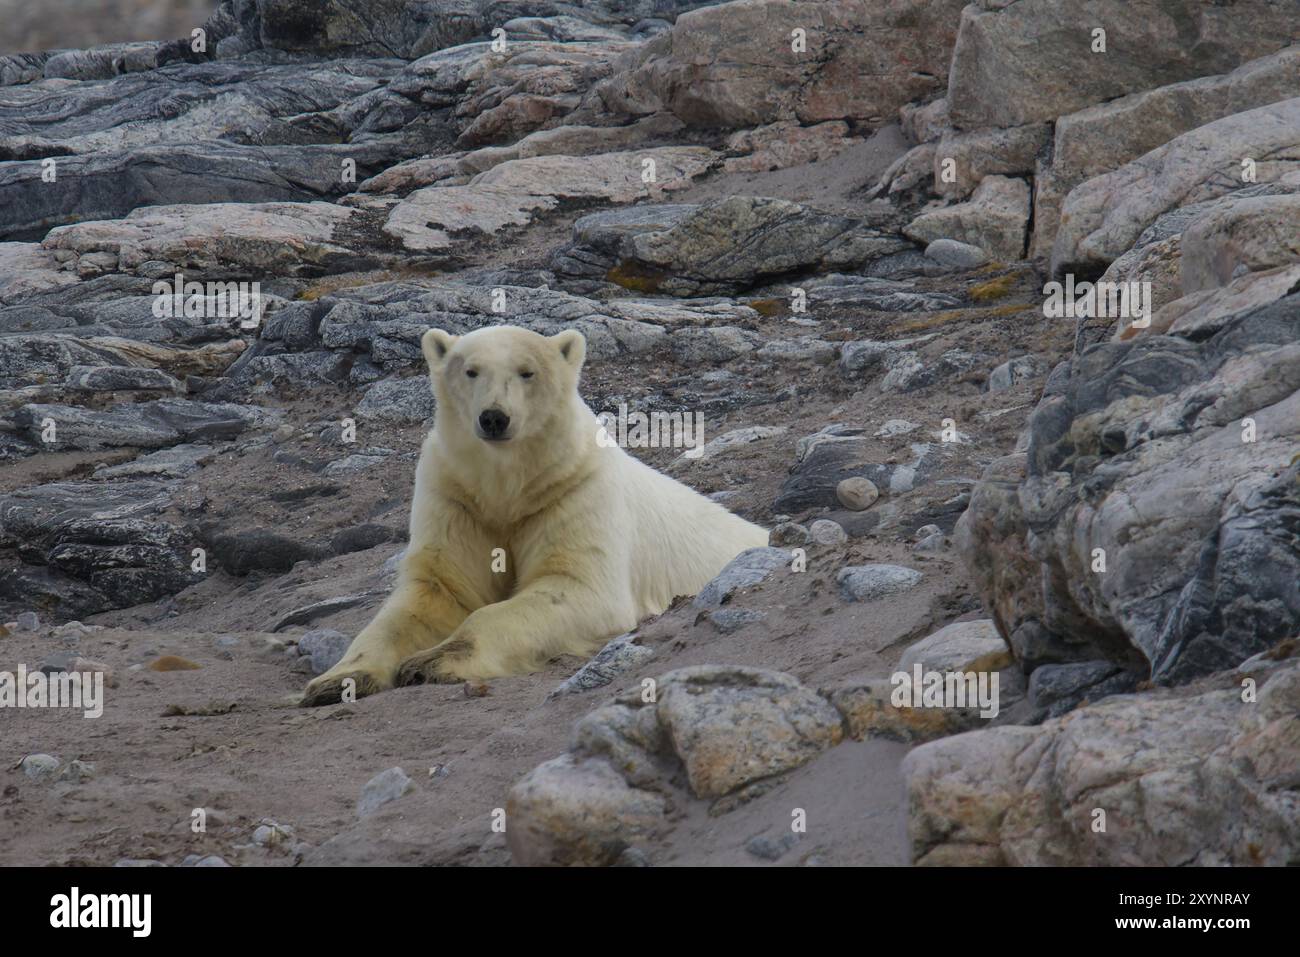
{"x": 1155, "y": 525}
{"x": 149, "y": 425}
{"x": 111, "y": 538}
{"x": 733, "y": 243}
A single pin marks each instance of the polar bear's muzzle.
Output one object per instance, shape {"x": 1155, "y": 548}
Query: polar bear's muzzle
{"x": 493, "y": 425}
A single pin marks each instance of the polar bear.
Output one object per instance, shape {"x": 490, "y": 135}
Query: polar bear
{"x": 532, "y": 534}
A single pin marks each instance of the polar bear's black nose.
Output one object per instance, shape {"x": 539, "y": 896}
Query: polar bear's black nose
{"x": 494, "y": 423}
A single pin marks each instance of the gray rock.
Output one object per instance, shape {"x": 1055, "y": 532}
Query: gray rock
{"x": 620, "y": 655}
{"x": 788, "y": 534}
{"x": 575, "y": 811}
{"x": 1006, "y": 72}
{"x": 882, "y": 295}
{"x": 325, "y": 647}
{"x": 175, "y": 462}
{"x": 252, "y": 549}
{"x": 1218, "y": 769}
{"x": 843, "y": 452}
{"x": 873, "y": 582}
{"x": 771, "y": 849}
{"x": 950, "y": 252}
{"x": 28, "y": 621}
{"x": 120, "y": 379}
{"x": 39, "y": 767}
{"x": 102, "y": 545}
{"x": 713, "y": 345}
{"x": 384, "y": 788}
{"x": 857, "y": 493}
{"x": 1056, "y": 689}
{"x": 1136, "y": 450}
{"x": 718, "y": 66}
{"x": 995, "y": 219}
{"x": 732, "y": 725}
{"x": 401, "y": 401}
{"x": 931, "y": 544}
{"x": 962, "y": 646}
{"x": 747, "y": 569}
{"x": 1103, "y": 216}
{"x": 1102, "y": 138}
{"x": 732, "y": 243}
{"x": 825, "y": 532}
{"x": 907, "y": 372}
{"x": 730, "y": 620}
{"x": 162, "y": 422}
{"x": 1013, "y": 371}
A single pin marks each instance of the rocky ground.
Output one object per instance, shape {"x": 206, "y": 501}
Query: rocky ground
{"x": 837, "y": 256}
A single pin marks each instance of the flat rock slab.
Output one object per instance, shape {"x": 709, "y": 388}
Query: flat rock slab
{"x": 514, "y": 193}
{"x": 242, "y": 238}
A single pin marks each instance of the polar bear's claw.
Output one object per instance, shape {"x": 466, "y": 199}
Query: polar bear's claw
{"x": 428, "y": 667}
{"x": 328, "y": 689}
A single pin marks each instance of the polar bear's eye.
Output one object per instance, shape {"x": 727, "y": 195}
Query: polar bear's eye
{"x": 524, "y": 374}
{"x": 472, "y": 373}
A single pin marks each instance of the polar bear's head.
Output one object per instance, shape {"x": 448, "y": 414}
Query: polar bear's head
{"x": 503, "y": 384}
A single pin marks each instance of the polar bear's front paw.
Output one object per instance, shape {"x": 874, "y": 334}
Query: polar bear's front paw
{"x": 441, "y": 665}
{"x": 329, "y": 688}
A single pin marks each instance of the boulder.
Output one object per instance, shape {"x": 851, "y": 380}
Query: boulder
{"x": 1102, "y": 138}
{"x": 103, "y": 545}
{"x": 1173, "y": 778}
{"x": 978, "y": 153}
{"x": 1102, "y": 217}
{"x": 577, "y": 812}
{"x": 995, "y": 219}
{"x": 1148, "y": 527}
{"x": 1032, "y": 60}
{"x": 730, "y": 726}
{"x": 732, "y": 243}
{"x": 740, "y": 64}
{"x": 873, "y": 582}
{"x": 218, "y": 239}
{"x": 515, "y": 192}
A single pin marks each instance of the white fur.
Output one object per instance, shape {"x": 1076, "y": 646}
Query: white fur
{"x": 593, "y": 540}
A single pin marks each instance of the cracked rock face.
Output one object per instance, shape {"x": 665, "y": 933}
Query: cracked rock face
{"x": 1102, "y": 217}
{"x": 718, "y": 65}
{"x": 1217, "y": 773}
{"x": 732, "y": 244}
{"x": 1018, "y": 62}
{"x": 1172, "y": 455}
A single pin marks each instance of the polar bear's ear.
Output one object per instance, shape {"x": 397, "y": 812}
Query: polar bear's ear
{"x": 436, "y": 344}
{"x": 572, "y": 346}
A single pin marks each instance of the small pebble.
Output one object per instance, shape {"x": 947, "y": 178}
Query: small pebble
{"x": 930, "y": 544}
{"x": 857, "y": 493}
{"x": 770, "y": 849}
{"x": 39, "y": 766}
{"x": 384, "y": 787}
{"x": 788, "y": 535}
{"x": 826, "y": 532}
{"x": 271, "y": 834}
